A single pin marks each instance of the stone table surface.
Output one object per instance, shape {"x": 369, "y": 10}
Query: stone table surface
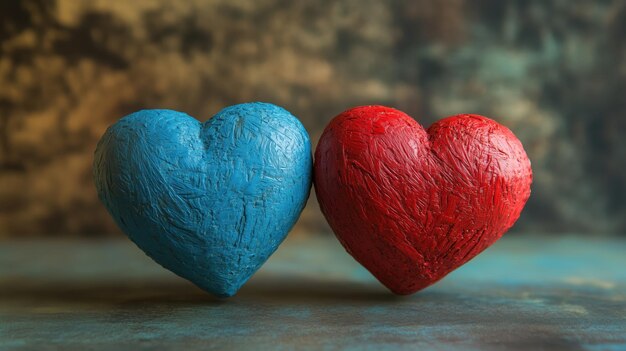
{"x": 524, "y": 293}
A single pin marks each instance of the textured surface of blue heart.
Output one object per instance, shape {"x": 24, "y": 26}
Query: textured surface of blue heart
{"x": 209, "y": 201}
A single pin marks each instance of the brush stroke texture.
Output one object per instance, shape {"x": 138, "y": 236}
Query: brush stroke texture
{"x": 412, "y": 205}
{"x": 209, "y": 201}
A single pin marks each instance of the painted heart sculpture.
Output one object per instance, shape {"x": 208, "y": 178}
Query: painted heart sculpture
{"x": 209, "y": 201}
{"x": 411, "y": 205}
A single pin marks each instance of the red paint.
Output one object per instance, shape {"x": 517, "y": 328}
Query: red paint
{"x": 411, "y": 205}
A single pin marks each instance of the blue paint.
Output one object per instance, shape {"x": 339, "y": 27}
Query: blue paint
{"x": 209, "y": 201}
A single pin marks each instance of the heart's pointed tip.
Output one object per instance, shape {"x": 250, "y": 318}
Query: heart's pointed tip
{"x": 226, "y": 294}
{"x": 222, "y": 290}
{"x": 222, "y": 293}
{"x": 403, "y": 292}
{"x": 411, "y": 288}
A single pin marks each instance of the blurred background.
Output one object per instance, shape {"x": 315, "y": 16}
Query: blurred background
{"x": 554, "y": 72}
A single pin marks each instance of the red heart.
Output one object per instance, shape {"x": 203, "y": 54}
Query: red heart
{"x": 411, "y": 205}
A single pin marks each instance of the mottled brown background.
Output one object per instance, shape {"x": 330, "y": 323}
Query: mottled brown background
{"x": 552, "y": 71}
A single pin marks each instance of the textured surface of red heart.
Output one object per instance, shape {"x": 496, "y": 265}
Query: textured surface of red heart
{"x": 411, "y": 205}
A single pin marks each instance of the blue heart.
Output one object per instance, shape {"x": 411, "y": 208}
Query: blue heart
{"x": 209, "y": 201}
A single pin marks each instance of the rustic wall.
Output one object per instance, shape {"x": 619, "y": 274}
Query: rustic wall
{"x": 552, "y": 71}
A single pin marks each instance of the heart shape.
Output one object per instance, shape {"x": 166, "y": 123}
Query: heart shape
{"x": 209, "y": 201}
{"x": 412, "y": 205}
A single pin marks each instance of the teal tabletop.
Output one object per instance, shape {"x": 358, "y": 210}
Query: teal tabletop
{"x": 524, "y": 293}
